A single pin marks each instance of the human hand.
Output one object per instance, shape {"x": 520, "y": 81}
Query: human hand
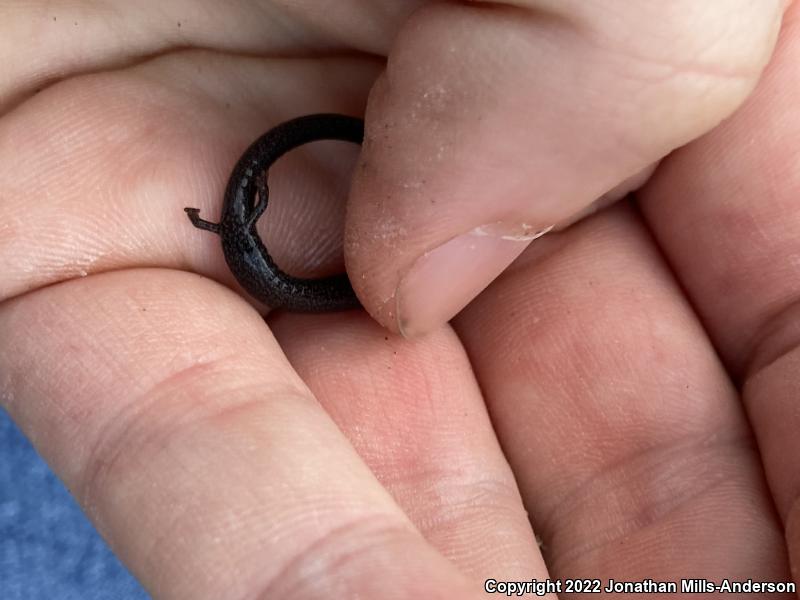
{"x": 365, "y": 463}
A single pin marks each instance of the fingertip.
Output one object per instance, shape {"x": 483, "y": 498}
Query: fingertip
{"x": 443, "y": 281}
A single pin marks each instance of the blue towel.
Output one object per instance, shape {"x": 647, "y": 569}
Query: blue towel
{"x": 48, "y": 550}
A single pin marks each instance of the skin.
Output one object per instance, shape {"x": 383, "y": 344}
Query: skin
{"x": 619, "y": 402}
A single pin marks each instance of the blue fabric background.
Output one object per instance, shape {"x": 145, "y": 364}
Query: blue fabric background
{"x": 48, "y": 550}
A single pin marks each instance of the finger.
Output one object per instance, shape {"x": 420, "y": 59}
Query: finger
{"x": 629, "y": 445}
{"x": 166, "y": 406}
{"x": 493, "y": 123}
{"x": 732, "y": 200}
{"x": 97, "y": 169}
{"x": 413, "y": 410}
{"x": 85, "y": 37}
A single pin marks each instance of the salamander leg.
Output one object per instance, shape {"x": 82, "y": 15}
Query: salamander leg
{"x": 194, "y": 217}
{"x": 263, "y": 199}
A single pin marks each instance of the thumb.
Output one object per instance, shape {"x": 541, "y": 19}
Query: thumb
{"x": 493, "y": 123}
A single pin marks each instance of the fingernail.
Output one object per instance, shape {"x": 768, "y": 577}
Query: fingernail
{"x": 444, "y": 280}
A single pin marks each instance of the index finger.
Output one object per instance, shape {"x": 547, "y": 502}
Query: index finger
{"x": 197, "y": 451}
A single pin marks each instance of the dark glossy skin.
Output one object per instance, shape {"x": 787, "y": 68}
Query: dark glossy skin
{"x": 244, "y": 251}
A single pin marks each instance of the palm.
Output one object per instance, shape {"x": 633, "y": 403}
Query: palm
{"x": 584, "y": 386}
